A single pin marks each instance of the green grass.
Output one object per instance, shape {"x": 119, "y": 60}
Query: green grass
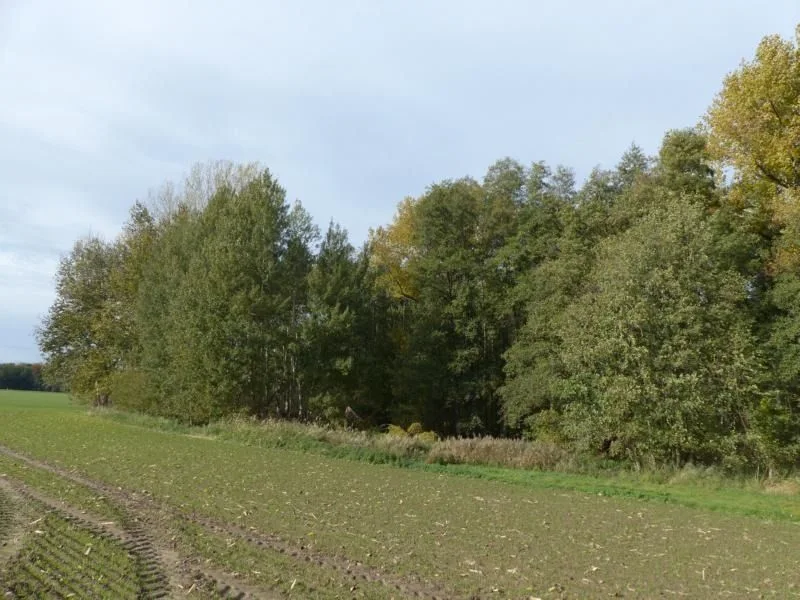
{"x": 60, "y": 489}
{"x": 276, "y": 572}
{"x": 11, "y": 400}
{"x": 470, "y": 529}
{"x": 744, "y": 496}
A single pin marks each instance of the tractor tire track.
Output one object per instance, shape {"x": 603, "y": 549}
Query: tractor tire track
{"x": 139, "y": 505}
{"x": 154, "y": 559}
{"x": 11, "y": 526}
{"x": 152, "y": 580}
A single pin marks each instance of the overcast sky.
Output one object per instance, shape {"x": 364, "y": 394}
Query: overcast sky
{"x": 353, "y": 105}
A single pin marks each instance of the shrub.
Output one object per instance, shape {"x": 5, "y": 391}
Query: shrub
{"x": 428, "y": 437}
{"x": 415, "y": 429}
{"x": 545, "y": 426}
{"x": 396, "y": 431}
{"x": 131, "y": 390}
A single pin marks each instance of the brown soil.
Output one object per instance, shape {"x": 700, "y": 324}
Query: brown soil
{"x": 165, "y": 572}
{"x": 145, "y": 516}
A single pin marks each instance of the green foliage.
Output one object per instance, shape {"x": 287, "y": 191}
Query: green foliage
{"x": 657, "y": 353}
{"x": 133, "y": 390}
{"x": 650, "y": 314}
{"x": 76, "y": 335}
{"x": 684, "y": 165}
{"x": 23, "y": 376}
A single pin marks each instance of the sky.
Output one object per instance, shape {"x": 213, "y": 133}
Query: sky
{"x": 354, "y": 105}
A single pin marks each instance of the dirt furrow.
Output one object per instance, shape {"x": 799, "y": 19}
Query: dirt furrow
{"x": 163, "y": 571}
{"x": 152, "y": 578}
{"x": 139, "y": 506}
{"x": 11, "y": 526}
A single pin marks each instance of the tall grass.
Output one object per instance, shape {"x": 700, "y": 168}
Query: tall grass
{"x": 502, "y": 452}
{"x": 468, "y": 456}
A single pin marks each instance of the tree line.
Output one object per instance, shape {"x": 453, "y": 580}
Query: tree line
{"x": 652, "y": 312}
{"x": 23, "y": 376}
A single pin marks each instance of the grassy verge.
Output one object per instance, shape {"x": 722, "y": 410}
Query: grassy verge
{"x": 691, "y": 486}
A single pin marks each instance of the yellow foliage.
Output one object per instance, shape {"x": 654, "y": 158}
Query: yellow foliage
{"x": 427, "y": 436}
{"x": 415, "y": 429}
{"x": 393, "y": 253}
{"x": 396, "y": 431}
{"x": 753, "y": 126}
{"x": 754, "y": 123}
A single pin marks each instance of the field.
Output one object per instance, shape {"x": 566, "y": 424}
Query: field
{"x": 93, "y": 507}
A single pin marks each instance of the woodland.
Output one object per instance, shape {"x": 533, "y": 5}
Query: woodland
{"x": 650, "y": 312}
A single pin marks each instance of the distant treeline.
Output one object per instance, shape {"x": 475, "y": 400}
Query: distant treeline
{"x": 23, "y": 376}
{"x": 651, "y": 313}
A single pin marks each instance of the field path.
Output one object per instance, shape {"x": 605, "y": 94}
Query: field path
{"x": 11, "y": 526}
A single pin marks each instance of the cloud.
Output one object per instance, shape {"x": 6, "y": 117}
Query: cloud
{"x": 353, "y": 104}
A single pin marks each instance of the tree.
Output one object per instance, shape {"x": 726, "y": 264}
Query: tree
{"x": 754, "y": 123}
{"x": 658, "y": 354}
{"x": 73, "y": 337}
{"x": 563, "y": 239}
{"x": 633, "y": 164}
{"x": 392, "y": 253}
{"x": 684, "y": 165}
{"x": 346, "y": 362}
{"x": 244, "y": 295}
{"x": 606, "y": 311}
{"x": 199, "y": 186}
{"x": 453, "y": 330}
{"x": 23, "y": 376}
{"x": 506, "y": 179}
{"x": 160, "y": 318}
{"x": 753, "y": 127}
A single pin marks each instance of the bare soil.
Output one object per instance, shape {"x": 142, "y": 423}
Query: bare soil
{"x": 144, "y": 531}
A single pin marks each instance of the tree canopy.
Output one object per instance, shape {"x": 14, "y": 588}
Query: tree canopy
{"x": 651, "y": 313}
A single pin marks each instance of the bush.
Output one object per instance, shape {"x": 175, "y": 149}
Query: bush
{"x": 545, "y": 426}
{"x": 428, "y": 437}
{"x": 396, "y": 431}
{"x": 131, "y": 390}
{"x": 415, "y": 429}
{"x": 325, "y": 408}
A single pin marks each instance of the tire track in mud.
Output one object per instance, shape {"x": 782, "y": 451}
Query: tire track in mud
{"x": 354, "y": 571}
{"x": 6, "y": 517}
{"x": 138, "y": 506}
{"x": 152, "y": 580}
{"x": 10, "y": 525}
{"x": 157, "y": 579}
